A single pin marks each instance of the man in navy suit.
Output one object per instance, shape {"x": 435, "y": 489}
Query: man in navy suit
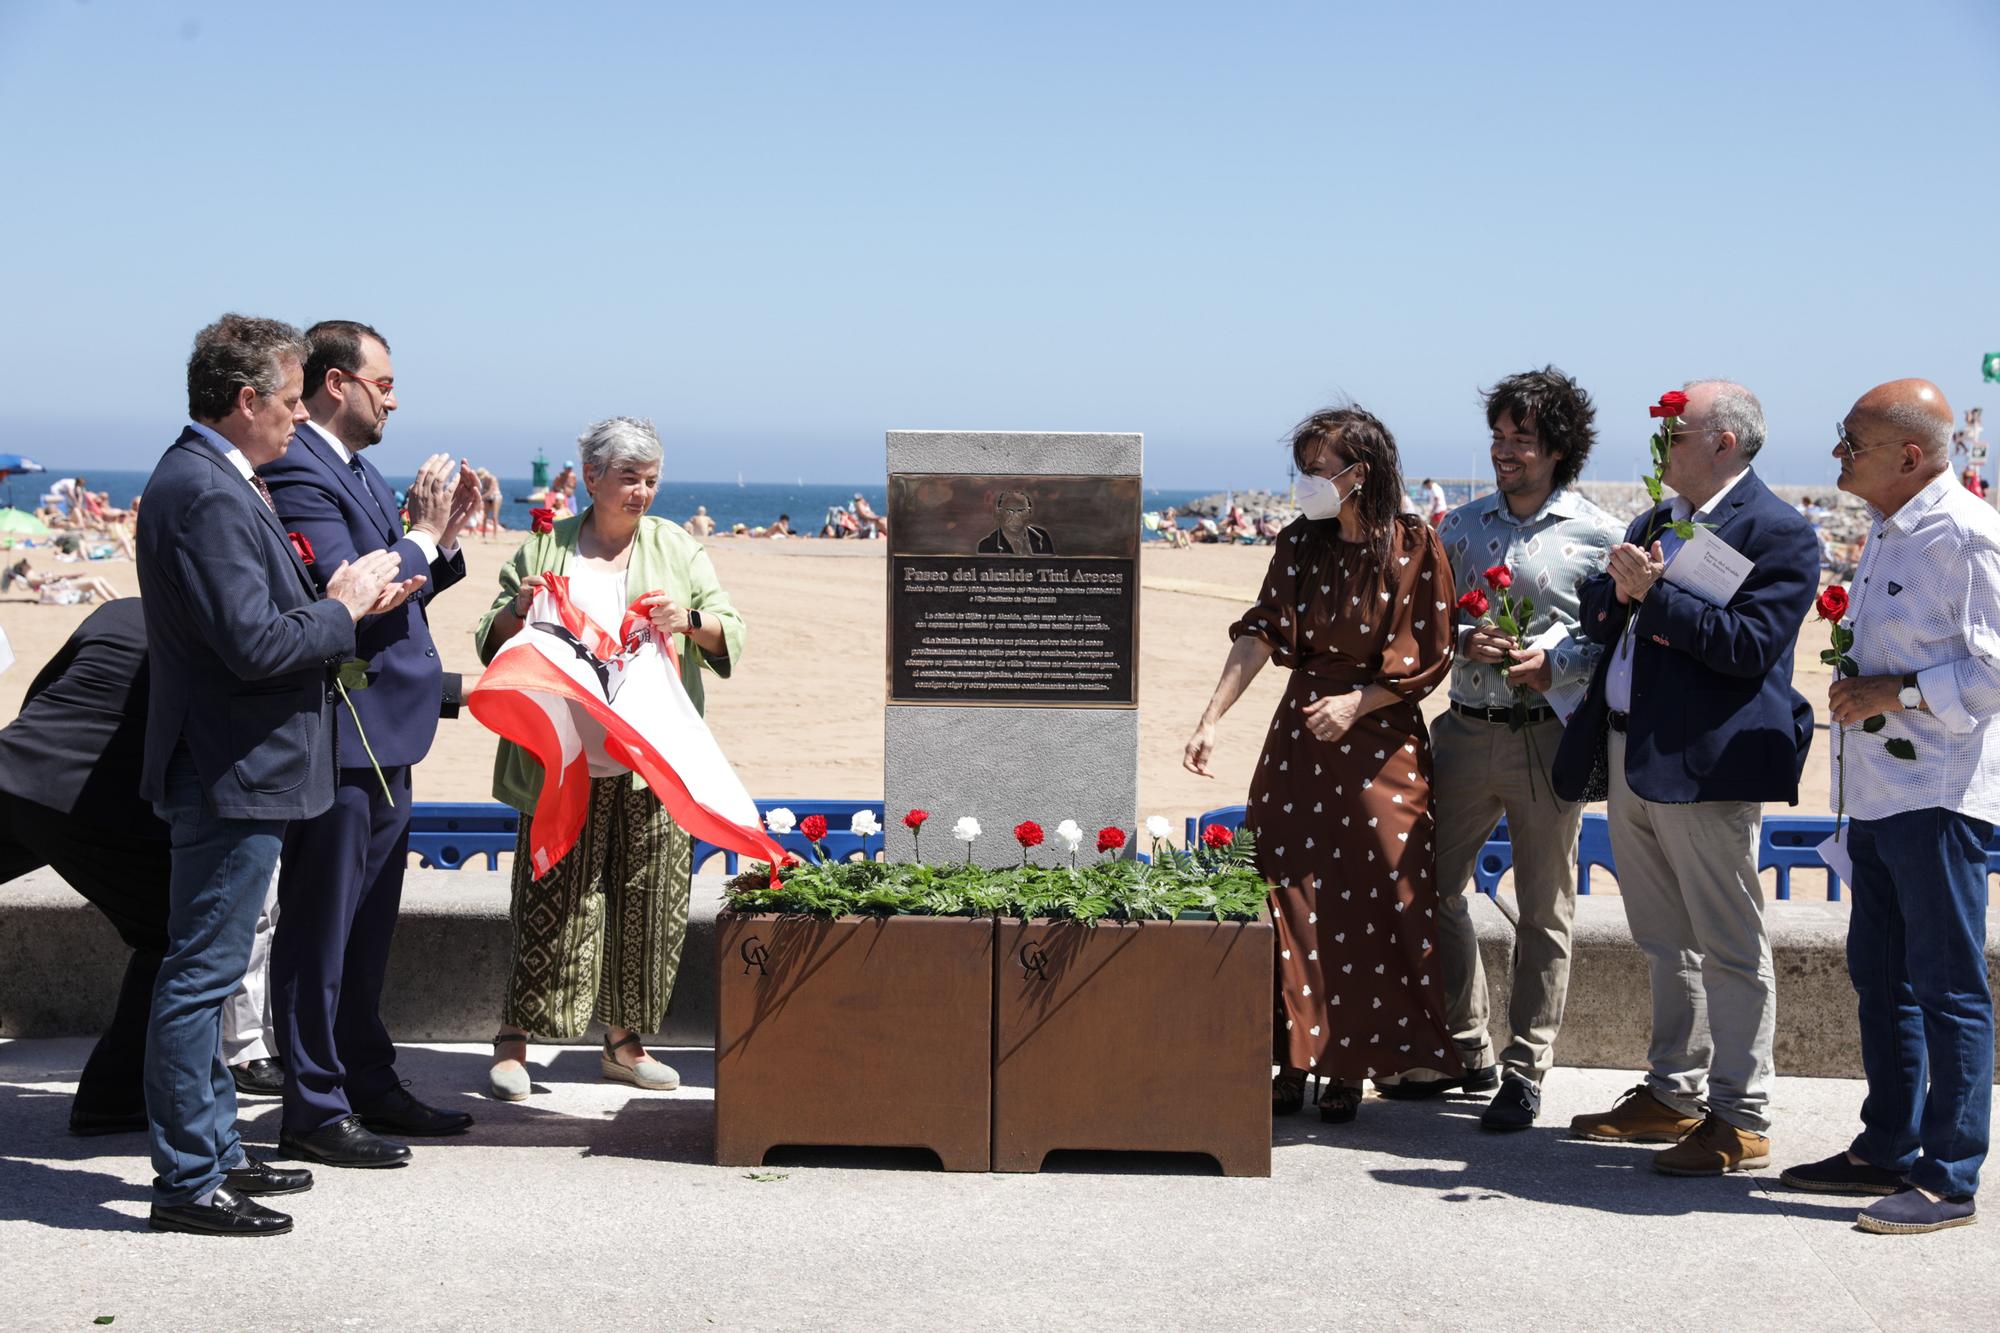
{"x": 1693, "y": 716}
{"x": 238, "y": 742}
{"x": 341, "y": 880}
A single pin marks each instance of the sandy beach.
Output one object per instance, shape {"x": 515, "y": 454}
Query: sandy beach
{"x": 802, "y": 716}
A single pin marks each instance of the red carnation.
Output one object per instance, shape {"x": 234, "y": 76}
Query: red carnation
{"x": 915, "y": 819}
{"x": 1110, "y": 839}
{"x": 1028, "y": 833}
{"x": 1832, "y": 604}
{"x": 302, "y": 546}
{"x": 542, "y": 520}
{"x": 1473, "y": 603}
{"x": 814, "y": 827}
{"x": 1499, "y": 578}
{"x": 1216, "y": 836}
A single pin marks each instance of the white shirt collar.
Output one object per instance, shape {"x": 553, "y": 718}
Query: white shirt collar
{"x": 225, "y": 448}
{"x": 340, "y": 450}
{"x": 1683, "y": 510}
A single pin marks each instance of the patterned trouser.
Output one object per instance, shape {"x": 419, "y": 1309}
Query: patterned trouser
{"x": 601, "y": 934}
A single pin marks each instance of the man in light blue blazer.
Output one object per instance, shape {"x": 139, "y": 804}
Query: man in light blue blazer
{"x": 238, "y": 742}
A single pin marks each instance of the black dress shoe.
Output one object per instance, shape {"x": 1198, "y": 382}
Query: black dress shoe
{"x": 1483, "y": 1079}
{"x": 226, "y": 1213}
{"x": 89, "y": 1124}
{"x": 343, "y": 1143}
{"x": 255, "y": 1177}
{"x": 400, "y": 1113}
{"x": 259, "y": 1078}
{"x": 1515, "y": 1106}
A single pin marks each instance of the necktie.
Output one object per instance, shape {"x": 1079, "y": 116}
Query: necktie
{"x": 263, "y": 492}
{"x": 354, "y": 466}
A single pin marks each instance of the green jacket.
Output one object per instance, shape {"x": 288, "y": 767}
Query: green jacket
{"x": 665, "y": 558}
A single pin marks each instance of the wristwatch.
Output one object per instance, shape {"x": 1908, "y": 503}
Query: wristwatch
{"x": 694, "y": 621}
{"x": 1910, "y": 696}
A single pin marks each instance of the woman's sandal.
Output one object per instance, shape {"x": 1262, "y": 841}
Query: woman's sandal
{"x": 650, "y": 1074}
{"x": 509, "y": 1085}
{"x": 1288, "y": 1092}
{"x": 1339, "y": 1103}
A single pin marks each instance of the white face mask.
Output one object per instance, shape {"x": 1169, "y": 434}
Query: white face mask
{"x": 1319, "y": 497}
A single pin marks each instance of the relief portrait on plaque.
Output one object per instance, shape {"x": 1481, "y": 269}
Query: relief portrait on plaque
{"x": 1002, "y": 516}
{"x": 1017, "y": 533}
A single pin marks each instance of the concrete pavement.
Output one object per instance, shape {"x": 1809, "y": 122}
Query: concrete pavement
{"x": 591, "y": 1205}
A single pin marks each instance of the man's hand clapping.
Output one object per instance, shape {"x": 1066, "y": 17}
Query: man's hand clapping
{"x": 1634, "y": 572}
{"x": 368, "y": 586}
{"x": 430, "y": 497}
{"x": 467, "y": 505}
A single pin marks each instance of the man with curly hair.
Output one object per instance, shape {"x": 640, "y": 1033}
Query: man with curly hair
{"x": 1550, "y": 539}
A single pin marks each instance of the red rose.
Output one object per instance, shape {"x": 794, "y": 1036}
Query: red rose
{"x": 1216, "y": 836}
{"x": 1671, "y": 404}
{"x": 1832, "y": 604}
{"x": 1110, "y": 839}
{"x": 1028, "y": 833}
{"x": 915, "y": 819}
{"x": 1499, "y": 578}
{"x": 542, "y": 520}
{"x": 302, "y": 546}
{"x": 1473, "y": 603}
{"x": 814, "y": 827}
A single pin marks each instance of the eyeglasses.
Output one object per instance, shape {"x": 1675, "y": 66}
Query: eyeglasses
{"x": 1844, "y": 443}
{"x": 386, "y": 386}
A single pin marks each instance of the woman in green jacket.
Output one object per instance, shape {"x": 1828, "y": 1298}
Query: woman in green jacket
{"x": 600, "y": 935}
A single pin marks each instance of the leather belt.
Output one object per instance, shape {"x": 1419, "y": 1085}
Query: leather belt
{"x": 1503, "y": 716}
{"x": 1617, "y": 719}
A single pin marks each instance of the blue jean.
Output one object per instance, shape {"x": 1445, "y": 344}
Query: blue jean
{"x": 1916, "y": 951}
{"x": 221, "y": 871}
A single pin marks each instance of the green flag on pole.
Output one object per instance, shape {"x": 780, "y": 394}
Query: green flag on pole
{"x": 1990, "y": 368}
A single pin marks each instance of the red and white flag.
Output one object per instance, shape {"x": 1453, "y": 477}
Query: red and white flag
{"x": 578, "y": 698}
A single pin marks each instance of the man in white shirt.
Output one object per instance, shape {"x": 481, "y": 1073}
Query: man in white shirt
{"x": 1914, "y": 719}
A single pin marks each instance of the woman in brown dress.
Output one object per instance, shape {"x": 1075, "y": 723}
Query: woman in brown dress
{"x": 1358, "y": 604}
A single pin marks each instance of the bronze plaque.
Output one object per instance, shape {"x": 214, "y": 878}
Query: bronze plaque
{"x": 1014, "y": 590}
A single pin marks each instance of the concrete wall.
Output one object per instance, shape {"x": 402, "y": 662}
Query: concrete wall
{"x": 60, "y": 963}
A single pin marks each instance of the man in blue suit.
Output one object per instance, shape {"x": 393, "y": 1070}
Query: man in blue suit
{"x": 238, "y": 742}
{"x": 1693, "y": 718}
{"x": 341, "y": 881}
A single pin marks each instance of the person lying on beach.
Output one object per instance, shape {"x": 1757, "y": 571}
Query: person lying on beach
{"x": 57, "y": 590}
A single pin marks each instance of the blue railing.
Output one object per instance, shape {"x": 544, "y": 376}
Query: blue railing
{"x": 1786, "y": 843}
{"x": 447, "y": 835}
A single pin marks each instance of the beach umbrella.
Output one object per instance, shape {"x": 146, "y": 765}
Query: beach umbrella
{"x": 20, "y": 523}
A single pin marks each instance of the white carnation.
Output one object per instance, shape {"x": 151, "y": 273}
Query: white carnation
{"x": 966, "y": 829}
{"x": 864, "y": 825}
{"x": 1070, "y": 834}
{"x": 1157, "y": 827}
{"x": 781, "y": 821}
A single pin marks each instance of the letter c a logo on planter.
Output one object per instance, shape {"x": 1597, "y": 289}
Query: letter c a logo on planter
{"x": 1034, "y": 962}
{"x": 755, "y": 955}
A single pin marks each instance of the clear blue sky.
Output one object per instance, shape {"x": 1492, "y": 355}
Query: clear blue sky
{"x": 781, "y": 229}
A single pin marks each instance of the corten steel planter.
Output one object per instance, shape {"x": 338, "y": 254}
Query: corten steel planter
{"x": 1150, "y": 1036}
{"x": 855, "y": 1031}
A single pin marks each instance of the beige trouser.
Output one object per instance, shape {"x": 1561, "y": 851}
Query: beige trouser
{"x": 1688, "y": 877}
{"x": 1482, "y": 773}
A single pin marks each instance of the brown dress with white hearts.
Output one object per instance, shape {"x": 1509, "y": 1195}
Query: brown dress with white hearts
{"x": 1344, "y": 828}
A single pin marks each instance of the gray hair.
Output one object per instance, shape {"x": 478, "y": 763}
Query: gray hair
{"x": 237, "y": 352}
{"x": 1737, "y": 411}
{"x": 1923, "y": 426}
{"x": 616, "y": 441}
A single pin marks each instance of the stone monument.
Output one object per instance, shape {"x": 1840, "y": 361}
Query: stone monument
{"x": 1013, "y": 672}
